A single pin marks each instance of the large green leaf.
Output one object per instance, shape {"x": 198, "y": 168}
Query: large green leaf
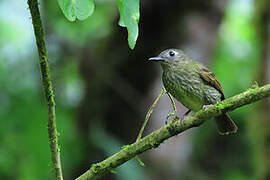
{"x": 129, "y": 18}
{"x": 77, "y": 9}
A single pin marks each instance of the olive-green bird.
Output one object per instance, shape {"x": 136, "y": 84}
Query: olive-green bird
{"x": 193, "y": 85}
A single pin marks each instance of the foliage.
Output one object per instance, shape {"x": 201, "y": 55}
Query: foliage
{"x": 129, "y": 14}
{"x": 129, "y": 18}
{"x": 77, "y": 9}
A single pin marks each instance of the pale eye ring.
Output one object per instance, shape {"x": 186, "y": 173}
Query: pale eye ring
{"x": 172, "y": 53}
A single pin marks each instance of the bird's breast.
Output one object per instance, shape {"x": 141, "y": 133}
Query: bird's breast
{"x": 186, "y": 87}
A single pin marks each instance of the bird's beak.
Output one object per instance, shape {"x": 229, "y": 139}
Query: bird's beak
{"x": 156, "y": 59}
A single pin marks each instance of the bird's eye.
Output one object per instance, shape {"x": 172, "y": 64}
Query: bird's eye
{"x": 171, "y": 53}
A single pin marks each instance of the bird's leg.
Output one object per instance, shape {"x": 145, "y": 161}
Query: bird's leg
{"x": 174, "y": 106}
{"x": 184, "y": 115}
{"x": 170, "y": 114}
{"x": 205, "y": 107}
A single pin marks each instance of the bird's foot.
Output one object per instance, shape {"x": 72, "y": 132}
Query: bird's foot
{"x": 205, "y": 107}
{"x": 170, "y": 114}
{"x": 182, "y": 119}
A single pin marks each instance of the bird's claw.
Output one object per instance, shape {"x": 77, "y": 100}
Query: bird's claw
{"x": 182, "y": 119}
{"x": 170, "y": 114}
{"x": 205, "y": 107}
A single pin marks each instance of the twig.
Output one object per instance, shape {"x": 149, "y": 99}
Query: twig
{"x": 47, "y": 86}
{"x": 148, "y": 114}
{"x": 150, "y": 111}
{"x": 173, "y": 128}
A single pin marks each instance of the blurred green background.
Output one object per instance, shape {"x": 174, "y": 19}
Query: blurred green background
{"x": 103, "y": 89}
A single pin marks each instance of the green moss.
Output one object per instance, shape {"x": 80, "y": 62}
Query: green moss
{"x": 255, "y": 85}
{"x": 95, "y": 167}
{"x": 125, "y": 147}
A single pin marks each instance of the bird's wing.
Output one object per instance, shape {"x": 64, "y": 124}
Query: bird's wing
{"x": 211, "y": 79}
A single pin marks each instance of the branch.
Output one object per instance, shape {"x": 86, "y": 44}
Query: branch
{"x": 148, "y": 114}
{"x": 173, "y": 128}
{"x": 47, "y": 86}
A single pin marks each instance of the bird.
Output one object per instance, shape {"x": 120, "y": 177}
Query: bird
{"x": 193, "y": 85}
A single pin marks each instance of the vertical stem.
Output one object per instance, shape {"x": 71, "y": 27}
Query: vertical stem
{"x": 47, "y": 86}
{"x": 146, "y": 120}
{"x": 149, "y": 113}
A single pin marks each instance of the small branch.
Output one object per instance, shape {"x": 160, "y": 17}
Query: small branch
{"x": 148, "y": 114}
{"x": 47, "y": 86}
{"x": 173, "y": 128}
{"x": 150, "y": 111}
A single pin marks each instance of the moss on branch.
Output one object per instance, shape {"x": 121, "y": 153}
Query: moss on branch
{"x": 47, "y": 86}
{"x": 173, "y": 128}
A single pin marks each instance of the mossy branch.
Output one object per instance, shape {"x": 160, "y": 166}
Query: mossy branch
{"x": 173, "y": 128}
{"x": 47, "y": 86}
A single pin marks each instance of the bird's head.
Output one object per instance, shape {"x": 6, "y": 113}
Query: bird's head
{"x": 170, "y": 57}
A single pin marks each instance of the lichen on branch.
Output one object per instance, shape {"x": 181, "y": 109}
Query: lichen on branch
{"x": 173, "y": 128}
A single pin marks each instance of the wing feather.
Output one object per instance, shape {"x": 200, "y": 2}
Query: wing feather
{"x": 211, "y": 79}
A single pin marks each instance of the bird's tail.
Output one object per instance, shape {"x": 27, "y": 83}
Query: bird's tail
{"x": 225, "y": 124}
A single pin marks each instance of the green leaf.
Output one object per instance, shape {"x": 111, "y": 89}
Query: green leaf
{"x": 77, "y": 9}
{"x": 129, "y": 18}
